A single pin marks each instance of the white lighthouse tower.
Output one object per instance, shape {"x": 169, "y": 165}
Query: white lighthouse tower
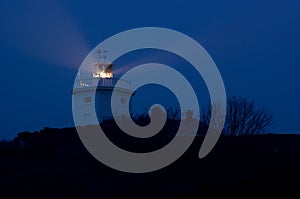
{"x": 93, "y": 94}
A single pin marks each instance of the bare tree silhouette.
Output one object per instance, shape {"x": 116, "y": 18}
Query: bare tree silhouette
{"x": 243, "y": 117}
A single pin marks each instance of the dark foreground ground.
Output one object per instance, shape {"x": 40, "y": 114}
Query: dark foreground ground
{"x": 54, "y": 164}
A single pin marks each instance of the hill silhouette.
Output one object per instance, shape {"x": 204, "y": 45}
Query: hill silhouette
{"x": 53, "y": 163}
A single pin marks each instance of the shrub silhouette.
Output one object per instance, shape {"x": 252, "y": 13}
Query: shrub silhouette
{"x": 243, "y": 117}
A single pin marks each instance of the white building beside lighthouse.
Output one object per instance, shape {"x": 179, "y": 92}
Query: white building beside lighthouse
{"x": 93, "y": 94}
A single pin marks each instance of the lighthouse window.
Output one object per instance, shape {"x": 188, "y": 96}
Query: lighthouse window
{"x": 88, "y": 99}
{"x": 86, "y": 116}
{"x": 123, "y": 101}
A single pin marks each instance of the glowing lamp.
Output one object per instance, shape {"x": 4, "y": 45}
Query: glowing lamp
{"x": 103, "y": 70}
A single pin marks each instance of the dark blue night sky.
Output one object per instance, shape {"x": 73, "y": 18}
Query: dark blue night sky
{"x": 255, "y": 45}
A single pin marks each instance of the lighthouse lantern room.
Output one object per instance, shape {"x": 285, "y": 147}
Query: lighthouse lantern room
{"x": 102, "y": 69}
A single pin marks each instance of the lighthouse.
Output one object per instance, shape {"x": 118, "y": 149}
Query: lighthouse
{"x": 94, "y": 94}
